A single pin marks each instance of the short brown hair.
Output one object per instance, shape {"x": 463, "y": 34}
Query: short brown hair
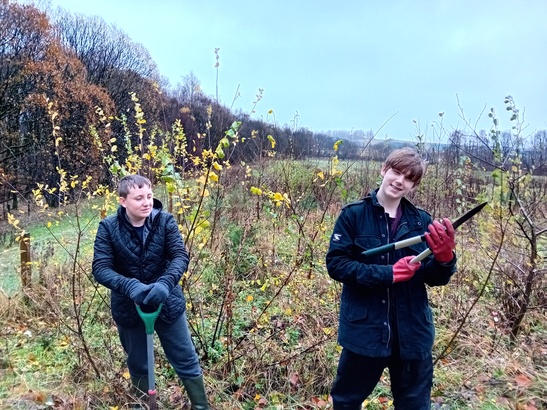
{"x": 408, "y": 161}
{"x": 132, "y": 181}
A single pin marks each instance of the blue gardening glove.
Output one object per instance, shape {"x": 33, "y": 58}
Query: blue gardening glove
{"x": 158, "y": 294}
{"x": 137, "y": 291}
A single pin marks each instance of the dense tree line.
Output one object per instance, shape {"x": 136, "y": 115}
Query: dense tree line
{"x": 68, "y": 79}
{"x": 57, "y": 70}
{"x": 45, "y": 98}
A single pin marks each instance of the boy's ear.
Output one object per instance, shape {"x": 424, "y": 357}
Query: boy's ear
{"x": 121, "y": 201}
{"x": 383, "y": 171}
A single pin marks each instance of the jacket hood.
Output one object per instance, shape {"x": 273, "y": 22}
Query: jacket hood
{"x": 157, "y": 207}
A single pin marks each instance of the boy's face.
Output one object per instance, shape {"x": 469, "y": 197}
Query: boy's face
{"x": 138, "y": 204}
{"x": 395, "y": 184}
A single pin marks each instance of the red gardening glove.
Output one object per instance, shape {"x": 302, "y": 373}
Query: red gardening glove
{"x": 403, "y": 270}
{"x": 440, "y": 240}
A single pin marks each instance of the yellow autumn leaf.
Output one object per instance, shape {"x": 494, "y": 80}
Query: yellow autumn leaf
{"x": 219, "y": 152}
{"x": 256, "y": 191}
{"x": 224, "y": 142}
{"x": 217, "y": 166}
{"x": 213, "y": 177}
{"x": 337, "y": 144}
{"x": 126, "y": 375}
{"x": 321, "y": 175}
{"x": 63, "y": 343}
{"x": 272, "y": 141}
{"x": 249, "y": 298}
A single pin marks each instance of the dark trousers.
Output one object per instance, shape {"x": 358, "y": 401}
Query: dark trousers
{"x": 176, "y": 342}
{"x": 357, "y": 375}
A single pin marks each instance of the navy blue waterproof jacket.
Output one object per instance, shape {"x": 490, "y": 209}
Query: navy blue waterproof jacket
{"x": 368, "y": 292}
{"x": 120, "y": 255}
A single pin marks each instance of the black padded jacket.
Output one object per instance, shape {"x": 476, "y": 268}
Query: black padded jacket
{"x": 119, "y": 255}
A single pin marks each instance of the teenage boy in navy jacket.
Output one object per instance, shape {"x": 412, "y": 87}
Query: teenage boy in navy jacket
{"x": 140, "y": 256}
{"x": 385, "y": 318}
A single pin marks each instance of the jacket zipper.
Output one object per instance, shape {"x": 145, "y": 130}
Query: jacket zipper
{"x": 388, "y": 321}
{"x": 388, "y": 293}
{"x": 398, "y": 228}
{"x": 145, "y": 241}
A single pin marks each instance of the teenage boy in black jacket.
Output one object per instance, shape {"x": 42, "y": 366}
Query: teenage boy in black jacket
{"x": 140, "y": 256}
{"x": 385, "y": 318}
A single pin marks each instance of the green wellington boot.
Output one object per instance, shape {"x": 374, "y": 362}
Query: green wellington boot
{"x": 139, "y": 389}
{"x": 196, "y": 392}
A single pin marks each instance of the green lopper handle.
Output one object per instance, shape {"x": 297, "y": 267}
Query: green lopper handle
{"x": 149, "y": 318}
{"x": 395, "y": 245}
{"x": 380, "y": 250}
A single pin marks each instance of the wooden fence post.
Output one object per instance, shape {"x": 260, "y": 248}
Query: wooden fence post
{"x": 24, "y": 249}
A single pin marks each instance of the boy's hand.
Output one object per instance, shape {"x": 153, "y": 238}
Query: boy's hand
{"x": 158, "y": 294}
{"x": 137, "y": 291}
{"x": 440, "y": 240}
{"x": 403, "y": 270}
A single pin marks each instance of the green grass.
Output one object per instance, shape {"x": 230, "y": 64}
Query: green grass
{"x": 52, "y": 242}
{"x": 10, "y": 281}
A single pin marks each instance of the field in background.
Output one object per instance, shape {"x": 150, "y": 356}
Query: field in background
{"x": 262, "y": 309}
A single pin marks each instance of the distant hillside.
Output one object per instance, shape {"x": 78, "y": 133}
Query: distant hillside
{"x": 367, "y": 137}
{"x": 394, "y": 144}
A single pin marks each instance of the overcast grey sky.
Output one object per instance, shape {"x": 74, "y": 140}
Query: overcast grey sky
{"x": 350, "y": 64}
